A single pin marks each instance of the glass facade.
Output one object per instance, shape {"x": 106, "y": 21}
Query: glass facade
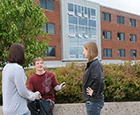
{"x": 82, "y": 28}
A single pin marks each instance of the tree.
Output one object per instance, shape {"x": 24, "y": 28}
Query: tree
{"x": 22, "y": 21}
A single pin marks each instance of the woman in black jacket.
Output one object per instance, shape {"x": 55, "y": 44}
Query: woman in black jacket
{"x": 93, "y": 80}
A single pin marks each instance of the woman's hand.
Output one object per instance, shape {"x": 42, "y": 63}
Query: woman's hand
{"x": 89, "y": 91}
{"x": 37, "y": 95}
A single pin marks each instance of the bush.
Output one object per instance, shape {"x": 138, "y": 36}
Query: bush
{"x": 122, "y": 82}
{"x": 72, "y": 74}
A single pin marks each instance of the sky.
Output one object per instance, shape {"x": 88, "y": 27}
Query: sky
{"x": 130, "y": 6}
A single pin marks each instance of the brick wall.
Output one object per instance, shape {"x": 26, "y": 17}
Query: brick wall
{"x": 55, "y": 40}
{"x": 112, "y": 26}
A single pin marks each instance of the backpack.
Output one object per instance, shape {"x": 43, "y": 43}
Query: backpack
{"x": 40, "y": 107}
{"x": 45, "y": 107}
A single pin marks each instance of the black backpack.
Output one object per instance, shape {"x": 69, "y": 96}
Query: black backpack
{"x": 45, "y": 107}
{"x": 40, "y": 107}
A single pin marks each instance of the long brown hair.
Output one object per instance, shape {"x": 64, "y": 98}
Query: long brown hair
{"x": 16, "y": 54}
{"x": 92, "y": 50}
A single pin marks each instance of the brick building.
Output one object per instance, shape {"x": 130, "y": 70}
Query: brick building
{"x": 120, "y": 35}
{"x": 72, "y": 23}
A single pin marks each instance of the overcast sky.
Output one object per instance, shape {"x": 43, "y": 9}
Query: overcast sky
{"x": 130, "y": 6}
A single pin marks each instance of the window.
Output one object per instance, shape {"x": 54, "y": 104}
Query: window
{"x": 121, "y": 53}
{"x": 132, "y": 38}
{"x": 50, "y": 52}
{"x": 92, "y": 14}
{"x": 71, "y": 30}
{"x": 107, "y": 35}
{"x": 47, "y": 4}
{"x": 72, "y": 19}
{"x": 71, "y": 9}
{"x": 133, "y": 53}
{"x": 121, "y": 36}
{"x": 49, "y": 28}
{"x": 107, "y": 52}
{"x": 85, "y": 12}
{"x": 79, "y": 13}
{"x": 92, "y": 33}
{"x": 133, "y": 22}
{"x": 83, "y": 21}
{"x": 120, "y": 19}
{"x": 92, "y": 23}
{"x": 106, "y": 17}
{"x": 86, "y": 32}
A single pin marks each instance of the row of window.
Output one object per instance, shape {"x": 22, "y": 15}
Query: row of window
{"x": 107, "y": 52}
{"x": 120, "y": 19}
{"x": 83, "y": 32}
{"x": 120, "y": 36}
{"x": 84, "y": 12}
{"x": 121, "y": 53}
{"x": 49, "y": 27}
{"x": 81, "y": 11}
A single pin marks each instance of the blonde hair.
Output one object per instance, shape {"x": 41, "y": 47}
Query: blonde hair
{"x": 37, "y": 59}
{"x": 92, "y": 50}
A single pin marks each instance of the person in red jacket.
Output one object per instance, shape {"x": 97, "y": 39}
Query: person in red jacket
{"x": 44, "y": 82}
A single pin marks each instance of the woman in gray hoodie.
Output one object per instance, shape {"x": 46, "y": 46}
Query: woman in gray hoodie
{"x": 15, "y": 93}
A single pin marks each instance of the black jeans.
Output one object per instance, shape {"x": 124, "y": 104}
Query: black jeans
{"x": 41, "y": 107}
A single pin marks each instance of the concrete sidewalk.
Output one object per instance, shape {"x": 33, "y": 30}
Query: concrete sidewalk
{"x": 112, "y": 108}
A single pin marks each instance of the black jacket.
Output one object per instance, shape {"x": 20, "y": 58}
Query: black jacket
{"x": 93, "y": 78}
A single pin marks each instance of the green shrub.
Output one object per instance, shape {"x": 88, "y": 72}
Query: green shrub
{"x": 122, "y": 82}
{"x": 72, "y": 74}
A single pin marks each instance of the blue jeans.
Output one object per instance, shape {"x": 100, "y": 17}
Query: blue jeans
{"x": 27, "y": 113}
{"x": 93, "y": 107}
